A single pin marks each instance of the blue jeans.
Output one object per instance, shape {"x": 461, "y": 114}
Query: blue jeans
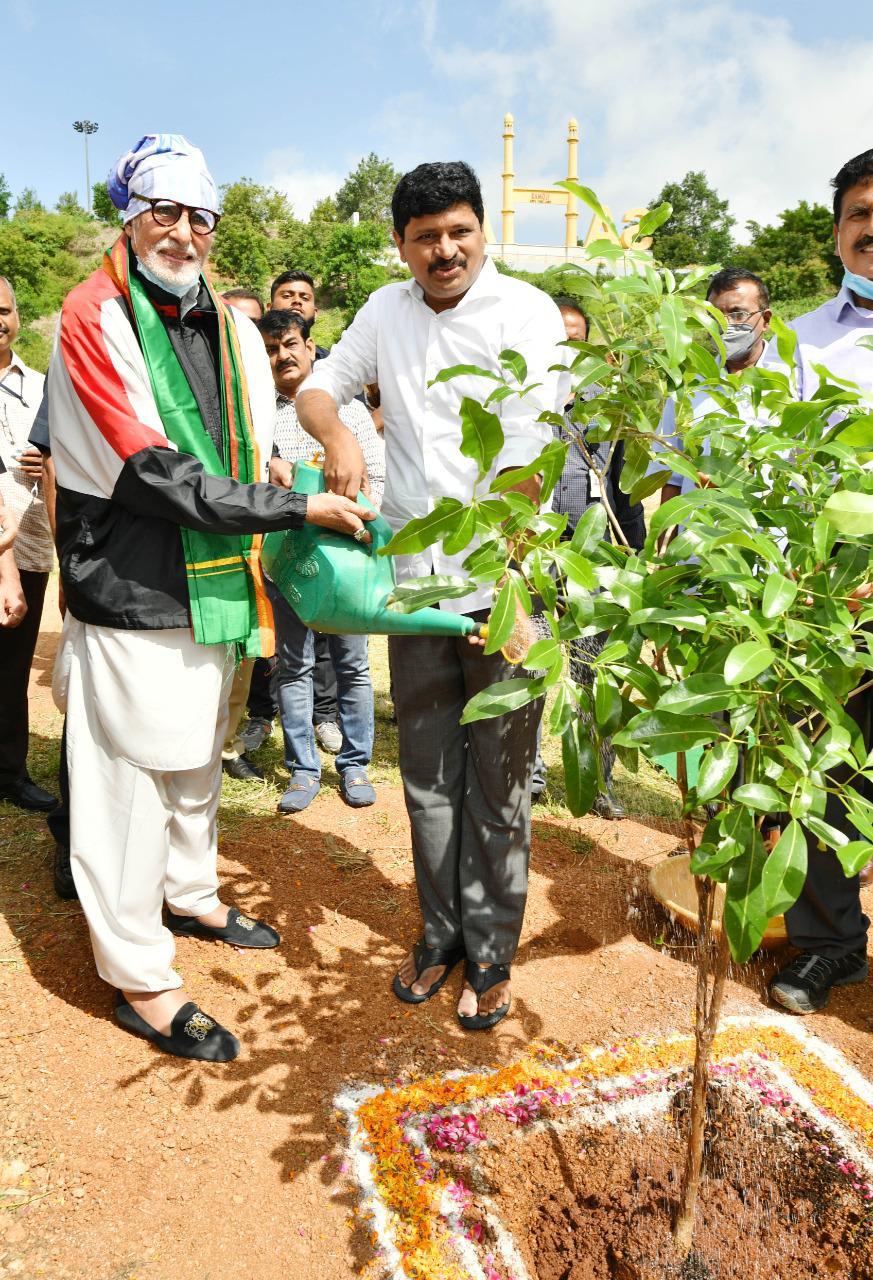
{"x": 295, "y": 652}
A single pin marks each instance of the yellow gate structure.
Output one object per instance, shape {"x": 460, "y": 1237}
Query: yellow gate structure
{"x": 536, "y": 257}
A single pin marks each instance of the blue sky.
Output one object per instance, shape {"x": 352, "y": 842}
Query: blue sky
{"x": 768, "y": 100}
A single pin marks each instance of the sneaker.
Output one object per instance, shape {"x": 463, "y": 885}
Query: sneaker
{"x": 255, "y": 733}
{"x": 329, "y": 737}
{"x": 805, "y": 984}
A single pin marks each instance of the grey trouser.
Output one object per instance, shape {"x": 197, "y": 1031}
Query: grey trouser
{"x": 467, "y": 790}
{"x": 827, "y": 917}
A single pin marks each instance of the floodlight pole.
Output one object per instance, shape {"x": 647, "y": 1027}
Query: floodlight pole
{"x": 86, "y": 128}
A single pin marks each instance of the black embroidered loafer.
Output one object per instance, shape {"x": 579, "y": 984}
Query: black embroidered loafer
{"x": 193, "y": 1034}
{"x": 240, "y": 930}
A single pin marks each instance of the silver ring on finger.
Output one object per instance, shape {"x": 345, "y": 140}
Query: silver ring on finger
{"x": 360, "y": 534}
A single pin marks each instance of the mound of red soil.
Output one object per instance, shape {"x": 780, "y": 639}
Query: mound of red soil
{"x": 586, "y": 1203}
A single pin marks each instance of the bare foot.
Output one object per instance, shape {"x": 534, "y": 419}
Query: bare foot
{"x": 487, "y": 1002}
{"x": 406, "y": 974}
{"x": 157, "y": 1008}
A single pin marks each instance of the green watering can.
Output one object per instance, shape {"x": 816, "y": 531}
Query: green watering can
{"x": 343, "y": 587}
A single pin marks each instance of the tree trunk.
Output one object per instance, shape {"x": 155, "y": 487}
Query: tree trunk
{"x": 707, "y": 1013}
{"x": 707, "y": 1010}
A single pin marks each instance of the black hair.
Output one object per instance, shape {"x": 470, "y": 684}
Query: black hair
{"x": 728, "y": 277}
{"x": 274, "y": 323}
{"x": 858, "y": 169}
{"x": 290, "y": 277}
{"x": 564, "y": 302}
{"x": 231, "y": 295}
{"x": 433, "y": 188}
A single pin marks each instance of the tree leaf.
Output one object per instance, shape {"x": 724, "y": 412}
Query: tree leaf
{"x": 502, "y": 697}
{"x": 607, "y": 703}
{"x": 673, "y": 324}
{"x": 786, "y": 342}
{"x": 458, "y": 370}
{"x": 587, "y": 196}
{"x": 665, "y": 734}
{"x": 460, "y": 537}
{"x": 502, "y": 618}
{"x": 784, "y": 871}
{"x": 575, "y": 566}
{"x": 745, "y": 916}
{"x": 850, "y": 512}
{"x": 757, "y": 795}
{"x": 858, "y": 434}
{"x": 481, "y": 434}
{"x": 747, "y": 661}
{"x": 854, "y": 856}
{"x": 580, "y": 769}
{"x": 516, "y": 364}
{"x": 552, "y": 458}
{"x": 590, "y": 529}
{"x": 717, "y": 768}
{"x": 701, "y": 694}
{"x": 686, "y": 618}
{"x": 655, "y": 218}
{"x": 426, "y": 530}
{"x": 418, "y": 593}
{"x": 779, "y": 593}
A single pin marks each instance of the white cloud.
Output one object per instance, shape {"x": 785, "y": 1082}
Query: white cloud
{"x": 303, "y": 186}
{"x": 691, "y": 84}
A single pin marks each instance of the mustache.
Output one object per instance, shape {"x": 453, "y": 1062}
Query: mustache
{"x": 445, "y": 264}
{"x": 175, "y": 248}
{"x": 863, "y": 242}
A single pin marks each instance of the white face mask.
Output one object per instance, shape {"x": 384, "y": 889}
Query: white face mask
{"x": 858, "y": 284}
{"x": 177, "y": 289}
{"x": 738, "y": 341}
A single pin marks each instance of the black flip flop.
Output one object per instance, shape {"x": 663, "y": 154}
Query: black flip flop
{"x": 425, "y": 958}
{"x": 482, "y": 980}
{"x": 193, "y": 1034}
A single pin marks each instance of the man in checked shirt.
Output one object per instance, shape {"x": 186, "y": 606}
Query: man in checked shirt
{"x": 292, "y": 353}
{"x": 21, "y": 490}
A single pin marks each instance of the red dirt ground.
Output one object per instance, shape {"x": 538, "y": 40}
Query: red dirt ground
{"x": 130, "y": 1165}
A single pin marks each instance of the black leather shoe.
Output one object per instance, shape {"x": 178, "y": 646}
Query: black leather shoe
{"x": 606, "y": 805}
{"x": 241, "y": 768}
{"x": 65, "y": 885}
{"x": 240, "y": 930}
{"x": 27, "y": 795}
{"x": 193, "y": 1034}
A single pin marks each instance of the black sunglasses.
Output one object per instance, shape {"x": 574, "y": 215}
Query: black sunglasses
{"x": 167, "y": 213}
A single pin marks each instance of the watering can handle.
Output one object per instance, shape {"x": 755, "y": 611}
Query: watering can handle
{"x": 308, "y": 477}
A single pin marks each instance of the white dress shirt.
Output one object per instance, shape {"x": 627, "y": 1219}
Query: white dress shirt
{"x": 399, "y": 342}
{"x": 20, "y": 397}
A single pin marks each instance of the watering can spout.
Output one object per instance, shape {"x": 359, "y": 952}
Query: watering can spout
{"x": 343, "y": 587}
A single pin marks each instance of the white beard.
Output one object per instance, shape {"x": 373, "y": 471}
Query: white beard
{"x": 186, "y": 274}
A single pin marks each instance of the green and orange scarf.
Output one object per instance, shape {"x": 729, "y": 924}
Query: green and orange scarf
{"x": 225, "y": 581}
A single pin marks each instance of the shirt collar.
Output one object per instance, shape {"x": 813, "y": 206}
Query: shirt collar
{"x": 486, "y": 285}
{"x": 845, "y": 308}
{"x": 16, "y": 363}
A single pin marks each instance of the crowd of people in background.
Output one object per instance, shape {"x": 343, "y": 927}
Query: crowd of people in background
{"x": 160, "y": 450}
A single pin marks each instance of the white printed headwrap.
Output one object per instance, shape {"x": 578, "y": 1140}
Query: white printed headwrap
{"x": 162, "y": 166}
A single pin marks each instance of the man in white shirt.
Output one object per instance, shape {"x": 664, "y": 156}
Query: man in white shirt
{"x": 467, "y": 787}
{"x": 21, "y": 489}
{"x": 744, "y": 300}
